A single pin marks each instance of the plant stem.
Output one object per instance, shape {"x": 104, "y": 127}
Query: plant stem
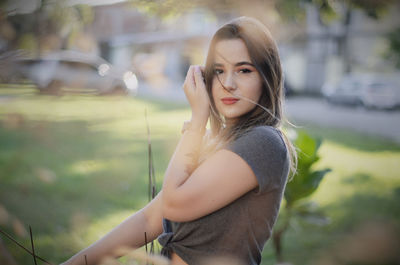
{"x": 24, "y": 248}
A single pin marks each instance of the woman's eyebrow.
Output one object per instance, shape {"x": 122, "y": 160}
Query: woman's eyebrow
{"x": 244, "y": 63}
{"x": 226, "y": 60}
{"x": 236, "y": 64}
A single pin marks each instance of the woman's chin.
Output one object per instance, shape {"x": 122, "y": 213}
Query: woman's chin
{"x": 230, "y": 119}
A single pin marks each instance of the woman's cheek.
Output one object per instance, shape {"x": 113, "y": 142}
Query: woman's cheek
{"x": 255, "y": 91}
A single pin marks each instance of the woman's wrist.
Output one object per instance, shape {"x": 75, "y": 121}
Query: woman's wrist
{"x": 193, "y": 126}
{"x": 199, "y": 121}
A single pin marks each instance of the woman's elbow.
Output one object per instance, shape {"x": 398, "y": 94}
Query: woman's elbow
{"x": 171, "y": 210}
{"x": 167, "y": 208}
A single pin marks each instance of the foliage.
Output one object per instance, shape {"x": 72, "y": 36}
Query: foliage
{"x": 28, "y": 42}
{"x": 331, "y": 10}
{"x": 51, "y": 18}
{"x": 374, "y": 9}
{"x": 393, "y": 52}
{"x": 305, "y": 183}
{"x": 293, "y": 10}
{"x": 166, "y": 8}
{"x": 306, "y": 180}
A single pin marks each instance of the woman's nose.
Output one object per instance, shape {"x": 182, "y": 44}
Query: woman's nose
{"x": 229, "y": 82}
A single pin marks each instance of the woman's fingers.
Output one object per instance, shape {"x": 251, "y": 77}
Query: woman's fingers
{"x": 189, "y": 80}
{"x": 198, "y": 77}
{"x": 194, "y": 79}
{"x": 194, "y": 86}
{"x": 189, "y": 84}
{"x": 195, "y": 90}
{"x": 202, "y": 68}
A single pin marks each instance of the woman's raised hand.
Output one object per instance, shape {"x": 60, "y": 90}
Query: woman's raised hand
{"x": 196, "y": 93}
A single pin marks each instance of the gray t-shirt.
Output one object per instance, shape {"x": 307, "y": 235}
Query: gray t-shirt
{"x": 240, "y": 229}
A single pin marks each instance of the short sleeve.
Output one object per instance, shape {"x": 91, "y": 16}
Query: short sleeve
{"x": 264, "y": 150}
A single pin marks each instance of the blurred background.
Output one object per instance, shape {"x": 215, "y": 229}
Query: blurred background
{"x": 77, "y": 76}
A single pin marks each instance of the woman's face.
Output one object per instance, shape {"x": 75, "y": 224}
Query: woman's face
{"x": 235, "y": 78}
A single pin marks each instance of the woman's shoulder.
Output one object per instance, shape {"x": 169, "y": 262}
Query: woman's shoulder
{"x": 264, "y": 150}
{"x": 263, "y": 135}
{"x": 264, "y": 130}
{"x": 260, "y": 140}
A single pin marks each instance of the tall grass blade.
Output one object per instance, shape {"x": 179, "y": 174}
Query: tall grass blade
{"x": 145, "y": 241}
{"x": 24, "y": 248}
{"x": 33, "y": 246}
{"x": 152, "y": 191}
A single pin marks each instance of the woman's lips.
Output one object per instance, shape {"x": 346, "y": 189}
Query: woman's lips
{"x": 229, "y": 101}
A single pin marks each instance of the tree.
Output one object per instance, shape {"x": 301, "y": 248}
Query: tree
{"x": 291, "y": 11}
{"x": 393, "y": 52}
{"x": 336, "y": 11}
{"x": 53, "y": 24}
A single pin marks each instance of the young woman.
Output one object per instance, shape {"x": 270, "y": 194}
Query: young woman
{"x": 222, "y": 189}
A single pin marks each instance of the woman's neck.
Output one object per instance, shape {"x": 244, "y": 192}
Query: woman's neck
{"x": 229, "y": 123}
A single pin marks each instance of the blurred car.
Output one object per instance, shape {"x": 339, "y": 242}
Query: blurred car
{"x": 382, "y": 93}
{"x": 346, "y": 91}
{"x": 77, "y": 72}
{"x": 371, "y": 91}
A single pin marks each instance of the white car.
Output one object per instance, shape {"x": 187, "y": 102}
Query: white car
{"x": 382, "y": 93}
{"x": 372, "y": 91}
{"x": 77, "y": 72}
{"x": 347, "y": 91}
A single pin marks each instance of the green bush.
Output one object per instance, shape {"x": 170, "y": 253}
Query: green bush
{"x": 305, "y": 182}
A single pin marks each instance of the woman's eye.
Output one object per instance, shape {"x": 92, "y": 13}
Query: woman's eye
{"x": 218, "y": 71}
{"x": 245, "y": 70}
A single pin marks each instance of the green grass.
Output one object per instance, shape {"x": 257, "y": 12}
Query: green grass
{"x": 363, "y": 188}
{"x": 74, "y": 166}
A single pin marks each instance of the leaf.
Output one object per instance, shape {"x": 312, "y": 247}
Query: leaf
{"x": 304, "y": 185}
{"x": 307, "y": 151}
{"x": 306, "y": 145}
{"x": 306, "y": 181}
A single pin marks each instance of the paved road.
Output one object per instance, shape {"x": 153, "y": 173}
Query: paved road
{"x": 303, "y": 110}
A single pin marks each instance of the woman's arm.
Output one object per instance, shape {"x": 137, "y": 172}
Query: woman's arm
{"x": 130, "y": 233}
{"x": 218, "y": 181}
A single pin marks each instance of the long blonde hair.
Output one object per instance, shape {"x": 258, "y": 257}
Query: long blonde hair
{"x": 264, "y": 55}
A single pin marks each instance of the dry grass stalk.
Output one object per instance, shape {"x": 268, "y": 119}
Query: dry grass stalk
{"x": 24, "y": 248}
{"x": 33, "y": 245}
{"x": 152, "y": 178}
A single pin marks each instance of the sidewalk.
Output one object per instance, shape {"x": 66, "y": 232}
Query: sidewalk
{"x": 381, "y": 123}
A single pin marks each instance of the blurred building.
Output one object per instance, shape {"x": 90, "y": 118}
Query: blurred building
{"x": 355, "y": 43}
{"x": 158, "y": 50}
